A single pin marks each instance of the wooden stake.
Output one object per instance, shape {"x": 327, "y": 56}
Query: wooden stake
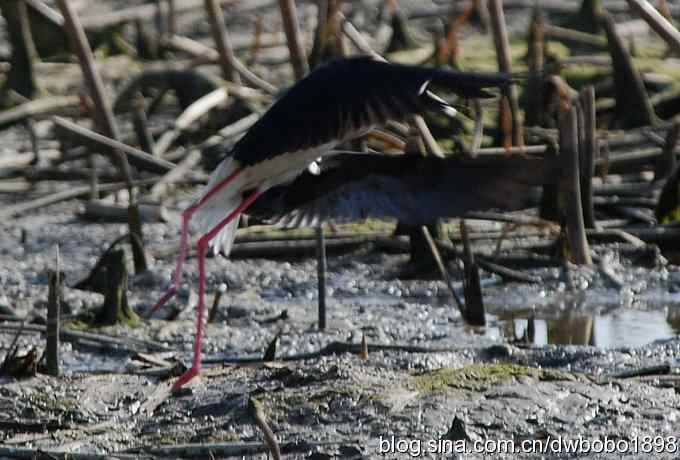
{"x": 321, "y": 275}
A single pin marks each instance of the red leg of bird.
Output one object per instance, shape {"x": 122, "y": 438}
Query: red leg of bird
{"x": 184, "y": 239}
{"x": 202, "y": 248}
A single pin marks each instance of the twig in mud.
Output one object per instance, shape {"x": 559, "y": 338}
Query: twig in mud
{"x": 30, "y": 454}
{"x": 216, "y": 302}
{"x": 75, "y": 192}
{"x": 335, "y": 348}
{"x": 255, "y": 411}
{"x": 138, "y": 158}
{"x": 38, "y": 108}
{"x": 442, "y": 269}
{"x": 517, "y": 219}
{"x": 102, "y": 210}
{"x": 129, "y": 344}
{"x": 508, "y": 273}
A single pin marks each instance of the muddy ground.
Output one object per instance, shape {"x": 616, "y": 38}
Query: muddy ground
{"x": 427, "y": 377}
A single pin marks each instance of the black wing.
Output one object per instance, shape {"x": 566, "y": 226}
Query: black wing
{"x": 413, "y": 189}
{"x": 344, "y": 97}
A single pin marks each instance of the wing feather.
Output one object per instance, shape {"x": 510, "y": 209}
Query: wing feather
{"x": 411, "y": 189}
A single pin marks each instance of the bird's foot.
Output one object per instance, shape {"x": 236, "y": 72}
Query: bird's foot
{"x": 184, "y": 378}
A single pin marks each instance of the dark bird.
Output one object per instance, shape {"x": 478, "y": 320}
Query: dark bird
{"x": 340, "y": 100}
{"x": 412, "y": 189}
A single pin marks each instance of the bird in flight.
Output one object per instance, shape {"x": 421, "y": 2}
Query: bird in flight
{"x": 338, "y": 101}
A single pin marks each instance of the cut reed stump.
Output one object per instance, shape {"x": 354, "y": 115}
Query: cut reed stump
{"x": 472, "y": 288}
{"x": 55, "y": 281}
{"x": 116, "y": 308}
{"x": 633, "y": 107}
{"x": 570, "y": 189}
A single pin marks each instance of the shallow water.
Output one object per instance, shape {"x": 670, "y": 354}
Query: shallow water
{"x": 597, "y": 317}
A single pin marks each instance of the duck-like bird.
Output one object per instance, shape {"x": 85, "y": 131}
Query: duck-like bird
{"x": 338, "y": 101}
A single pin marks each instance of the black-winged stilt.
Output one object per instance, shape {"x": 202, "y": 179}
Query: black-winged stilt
{"x": 340, "y": 100}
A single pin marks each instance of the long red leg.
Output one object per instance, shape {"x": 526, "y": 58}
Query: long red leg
{"x": 202, "y": 248}
{"x": 184, "y": 240}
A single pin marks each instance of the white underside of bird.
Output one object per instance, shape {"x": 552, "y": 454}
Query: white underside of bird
{"x": 263, "y": 175}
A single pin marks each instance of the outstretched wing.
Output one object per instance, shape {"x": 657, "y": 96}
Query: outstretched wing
{"x": 344, "y": 98}
{"x": 412, "y": 189}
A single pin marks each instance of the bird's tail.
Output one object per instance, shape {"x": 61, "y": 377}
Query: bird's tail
{"x": 219, "y": 205}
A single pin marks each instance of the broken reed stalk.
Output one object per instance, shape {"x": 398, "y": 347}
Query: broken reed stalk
{"x": 633, "y": 107}
{"x": 536, "y": 60}
{"x": 472, "y": 288}
{"x": 216, "y": 302}
{"x": 255, "y": 410}
{"x": 502, "y": 44}
{"x": 321, "y": 268}
{"x": 587, "y": 152}
{"x": 141, "y": 125}
{"x": 363, "y": 354}
{"x": 442, "y": 269}
{"x": 570, "y": 188}
{"x": 54, "y": 296}
{"x": 298, "y": 57}
{"x": 222, "y": 41}
{"x": 658, "y": 22}
{"x": 664, "y": 164}
{"x": 104, "y": 114}
{"x": 141, "y": 160}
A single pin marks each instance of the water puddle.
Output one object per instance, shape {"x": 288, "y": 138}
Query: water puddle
{"x": 601, "y": 318}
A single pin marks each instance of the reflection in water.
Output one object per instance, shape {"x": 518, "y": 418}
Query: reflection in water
{"x": 620, "y": 328}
